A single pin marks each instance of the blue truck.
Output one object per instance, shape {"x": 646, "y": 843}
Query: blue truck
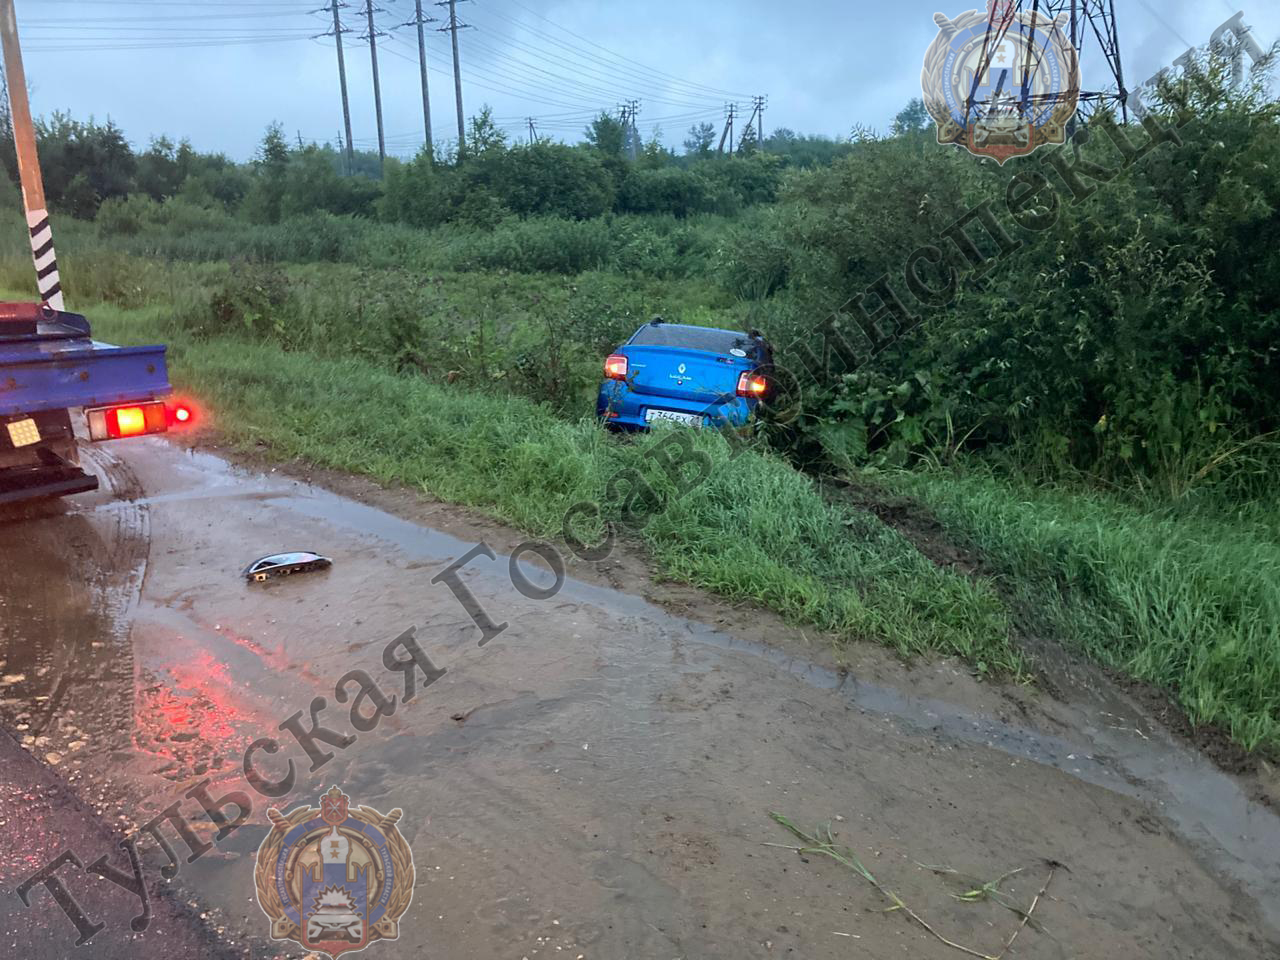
{"x": 59, "y": 388}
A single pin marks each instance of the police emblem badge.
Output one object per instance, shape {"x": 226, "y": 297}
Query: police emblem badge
{"x": 1001, "y": 83}
{"x": 334, "y": 879}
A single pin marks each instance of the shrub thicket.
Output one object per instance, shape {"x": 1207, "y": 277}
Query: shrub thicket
{"x": 1135, "y": 337}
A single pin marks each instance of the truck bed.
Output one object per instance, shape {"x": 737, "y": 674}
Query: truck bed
{"x": 59, "y": 366}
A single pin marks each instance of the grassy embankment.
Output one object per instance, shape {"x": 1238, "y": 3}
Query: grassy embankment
{"x": 1183, "y": 597}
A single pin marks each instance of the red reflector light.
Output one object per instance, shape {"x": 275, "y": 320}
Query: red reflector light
{"x": 751, "y": 385}
{"x": 615, "y": 367}
{"x": 133, "y": 420}
{"x": 182, "y": 414}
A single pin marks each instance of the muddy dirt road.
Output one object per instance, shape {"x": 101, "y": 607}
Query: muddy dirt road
{"x": 595, "y": 782}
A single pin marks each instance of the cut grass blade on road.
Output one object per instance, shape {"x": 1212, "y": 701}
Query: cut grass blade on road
{"x": 823, "y": 843}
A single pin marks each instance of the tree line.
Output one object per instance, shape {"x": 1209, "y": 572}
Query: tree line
{"x": 86, "y": 163}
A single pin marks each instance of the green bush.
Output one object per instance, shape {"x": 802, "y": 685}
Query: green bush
{"x": 670, "y": 190}
{"x": 537, "y": 246}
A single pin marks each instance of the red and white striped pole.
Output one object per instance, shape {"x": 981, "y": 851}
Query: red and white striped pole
{"x": 24, "y": 137}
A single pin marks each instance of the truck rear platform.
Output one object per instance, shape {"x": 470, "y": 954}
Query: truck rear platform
{"x": 51, "y": 371}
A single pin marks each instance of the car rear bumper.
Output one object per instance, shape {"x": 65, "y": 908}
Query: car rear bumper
{"x": 622, "y": 407}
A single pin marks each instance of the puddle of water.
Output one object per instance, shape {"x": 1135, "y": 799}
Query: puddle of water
{"x": 67, "y": 662}
{"x": 1239, "y": 838}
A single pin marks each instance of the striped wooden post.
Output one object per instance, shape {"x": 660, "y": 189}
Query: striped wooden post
{"x": 24, "y": 137}
{"x": 46, "y": 260}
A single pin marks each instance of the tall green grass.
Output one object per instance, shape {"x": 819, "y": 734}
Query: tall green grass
{"x": 1187, "y": 601}
{"x": 649, "y": 246}
{"x": 754, "y": 530}
{"x": 540, "y": 334}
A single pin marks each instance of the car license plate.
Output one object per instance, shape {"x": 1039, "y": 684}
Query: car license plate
{"x": 672, "y": 416}
{"x": 23, "y": 433}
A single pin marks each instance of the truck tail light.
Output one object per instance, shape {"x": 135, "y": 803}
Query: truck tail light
{"x": 615, "y": 368}
{"x": 130, "y": 420}
{"x": 182, "y": 413}
{"x": 752, "y": 385}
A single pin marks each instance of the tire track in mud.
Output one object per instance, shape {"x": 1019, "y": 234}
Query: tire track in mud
{"x": 68, "y": 593}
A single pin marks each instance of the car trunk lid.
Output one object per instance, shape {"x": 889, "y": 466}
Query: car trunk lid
{"x": 683, "y": 373}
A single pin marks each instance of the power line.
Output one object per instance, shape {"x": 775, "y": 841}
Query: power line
{"x": 588, "y": 85}
{"x": 282, "y": 4}
{"x": 616, "y": 56}
{"x": 490, "y": 83}
{"x": 590, "y": 68}
{"x": 91, "y": 44}
{"x": 187, "y": 18}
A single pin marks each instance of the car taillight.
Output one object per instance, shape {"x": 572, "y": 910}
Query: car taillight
{"x": 131, "y": 420}
{"x": 752, "y": 385}
{"x": 615, "y": 368}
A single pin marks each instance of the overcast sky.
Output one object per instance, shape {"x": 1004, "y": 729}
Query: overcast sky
{"x": 218, "y": 71}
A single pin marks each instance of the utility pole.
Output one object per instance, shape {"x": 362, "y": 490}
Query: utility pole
{"x": 755, "y": 113}
{"x": 624, "y": 120}
{"x": 338, "y": 31}
{"x": 24, "y": 138}
{"x": 453, "y": 28}
{"x": 760, "y": 103}
{"x": 730, "y": 113}
{"x": 633, "y": 135}
{"x": 377, "y": 86}
{"x": 533, "y": 131}
{"x": 342, "y": 151}
{"x": 419, "y": 20}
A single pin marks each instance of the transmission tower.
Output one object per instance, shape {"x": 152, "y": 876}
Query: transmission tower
{"x": 1092, "y": 30}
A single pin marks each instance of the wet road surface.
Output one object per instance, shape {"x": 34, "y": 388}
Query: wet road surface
{"x": 595, "y": 781}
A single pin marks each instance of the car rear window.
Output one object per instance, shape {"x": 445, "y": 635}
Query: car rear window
{"x": 692, "y": 338}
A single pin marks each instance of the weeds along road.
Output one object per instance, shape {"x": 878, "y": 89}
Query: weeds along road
{"x": 594, "y": 782}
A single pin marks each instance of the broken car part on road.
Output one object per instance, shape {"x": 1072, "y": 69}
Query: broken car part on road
{"x": 284, "y": 564}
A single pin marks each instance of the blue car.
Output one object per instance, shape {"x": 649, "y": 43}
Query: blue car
{"x": 681, "y": 374}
